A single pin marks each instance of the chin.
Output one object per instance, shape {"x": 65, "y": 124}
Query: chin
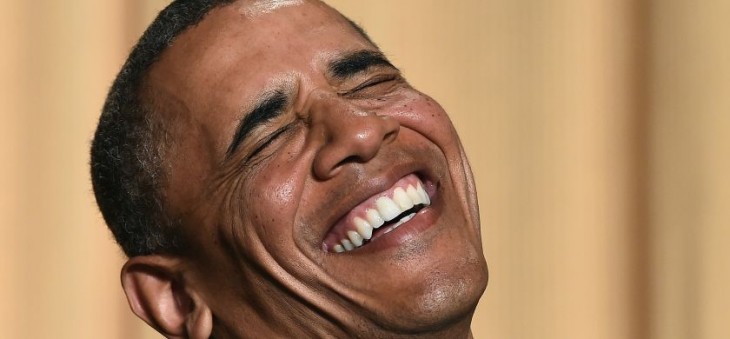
{"x": 444, "y": 297}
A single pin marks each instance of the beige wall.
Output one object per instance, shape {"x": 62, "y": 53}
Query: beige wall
{"x": 599, "y": 132}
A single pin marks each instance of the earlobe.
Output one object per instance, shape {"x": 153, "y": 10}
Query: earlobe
{"x": 157, "y": 294}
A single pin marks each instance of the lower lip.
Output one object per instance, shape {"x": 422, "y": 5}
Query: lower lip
{"x": 409, "y": 231}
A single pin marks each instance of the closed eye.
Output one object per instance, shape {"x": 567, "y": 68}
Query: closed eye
{"x": 370, "y": 83}
{"x": 266, "y": 142}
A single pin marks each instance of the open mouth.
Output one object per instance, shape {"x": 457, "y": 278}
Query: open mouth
{"x": 378, "y": 215}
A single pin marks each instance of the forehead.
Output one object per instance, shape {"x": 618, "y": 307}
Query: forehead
{"x": 240, "y": 50}
{"x": 251, "y": 44}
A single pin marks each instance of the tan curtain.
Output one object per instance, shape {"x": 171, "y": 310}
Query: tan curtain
{"x": 599, "y": 132}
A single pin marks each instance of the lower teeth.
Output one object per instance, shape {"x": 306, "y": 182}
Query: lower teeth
{"x": 401, "y": 222}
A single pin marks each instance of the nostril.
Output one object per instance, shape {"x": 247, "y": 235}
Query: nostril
{"x": 390, "y": 136}
{"x": 350, "y": 159}
{"x": 390, "y": 128}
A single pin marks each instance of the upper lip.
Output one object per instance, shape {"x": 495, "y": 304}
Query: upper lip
{"x": 368, "y": 186}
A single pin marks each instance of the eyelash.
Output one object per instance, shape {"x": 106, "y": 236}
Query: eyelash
{"x": 266, "y": 142}
{"x": 372, "y": 82}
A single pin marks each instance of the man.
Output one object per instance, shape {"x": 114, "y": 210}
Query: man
{"x": 270, "y": 174}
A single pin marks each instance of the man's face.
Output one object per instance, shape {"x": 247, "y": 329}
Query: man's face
{"x": 334, "y": 144}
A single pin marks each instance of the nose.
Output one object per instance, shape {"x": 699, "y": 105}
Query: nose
{"x": 349, "y": 134}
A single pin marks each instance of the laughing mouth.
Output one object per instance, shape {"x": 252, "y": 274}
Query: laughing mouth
{"x": 378, "y": 215}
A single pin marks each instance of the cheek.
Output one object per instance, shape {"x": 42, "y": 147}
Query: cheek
{"x": 272, "y": 198}
{"x": 276, "y": 193}
{"x": 424, "y": 115}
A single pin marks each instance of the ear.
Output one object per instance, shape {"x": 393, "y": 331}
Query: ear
{"x": 158, "y": 295}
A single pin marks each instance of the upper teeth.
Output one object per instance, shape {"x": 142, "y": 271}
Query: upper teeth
{"x": 386, "y": 209}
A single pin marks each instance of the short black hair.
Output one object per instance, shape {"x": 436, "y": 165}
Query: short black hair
{"x": 128, "y": 150}
{"x": 127, "y": 165}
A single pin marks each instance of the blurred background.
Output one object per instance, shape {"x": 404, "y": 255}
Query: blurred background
{"x": 599, "y": 132}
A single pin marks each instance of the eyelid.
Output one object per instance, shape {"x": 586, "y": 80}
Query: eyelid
{"x": 378, "y": 79}
{"x": 263, "y": 144}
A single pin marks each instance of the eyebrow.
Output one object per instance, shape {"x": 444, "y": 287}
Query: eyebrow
{"x": 270, "y": 106}
{"x": 356, "y": 62}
